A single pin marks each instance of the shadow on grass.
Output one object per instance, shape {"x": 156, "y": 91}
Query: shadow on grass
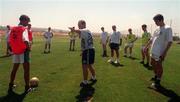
{"x": 148, "y": 67}
{"x": 173, "y": 97}
{"x": 117, "y": 64}
{"x": 13, "y": 97}
{"x": 4, "y": 56}
{"x": 132, "y": 58}
{"x": 85, "y": 94}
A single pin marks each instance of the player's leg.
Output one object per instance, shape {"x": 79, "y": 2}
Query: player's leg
{"x": 26, "y": 66}
{"x": 73, "y": 44}
{"x": 70, "y": 45}
{"x": 153, "y": 63}
{"x": 13, "y": 73}
{"x": 49, "y": 47}
{"x": 104, "y": 49}
{"x": 130, "y": 51}
{"x": 159, "y": 72}
{"x": 7, "y": 50}
{"x": 143, "y": 54}
{"x": 85, "y": 75}
{"x": 90, "y": 64}
{"x": 16, "y": 62}
{"x": 45, "y": 48}
{"x": 112, "y": 53}
{"x": 147, "y": 57}
{"x": 117, "y": 55}
{"x": 125, "y": 50}
{"x": 85, "y": 57}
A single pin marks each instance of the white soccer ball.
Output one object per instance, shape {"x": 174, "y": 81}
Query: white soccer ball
{"x": 34, "y": 82}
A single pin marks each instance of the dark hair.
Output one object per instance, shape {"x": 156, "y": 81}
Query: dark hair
{"x": 24, "y": 18}
{"x": 158, "y": 17}
{"x": 102, "y": 27}
{"x": 113, "y": 25}
{"x": 144, "y": 25}
{"x": 8, "y": 26}
{"x": 83, "y": 22}
{"x": 129, "y": 29}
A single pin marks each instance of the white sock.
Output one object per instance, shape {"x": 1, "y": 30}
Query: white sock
{"x": 117, "y": 59}
{"x": 85, "y": 81}
{"x": 93, "y": 77}
{"x": 112, "y": 59}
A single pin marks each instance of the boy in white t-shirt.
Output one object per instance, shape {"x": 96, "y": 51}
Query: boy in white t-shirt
{"x": 161, "y": 42}
{"x": 88, "y": 53}
{"x": 104, "y": 41}
{"x": 48, "y": 36}
{"x": 114, "y": 42}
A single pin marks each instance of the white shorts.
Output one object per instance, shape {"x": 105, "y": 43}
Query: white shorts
{"x": 48, "y": 41}
{"x": 18, "y": 58}
{"x": 129, "y": 44}
{"x": 104, "y": 42}
{"x": 155, "y": 57}
{"x": 72, "y": 39}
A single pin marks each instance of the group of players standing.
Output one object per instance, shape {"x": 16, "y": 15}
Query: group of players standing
{"x": 159, "y": 42}
{"x": 20, "y": 40}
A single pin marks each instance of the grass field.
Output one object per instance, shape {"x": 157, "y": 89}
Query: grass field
{"x": 60, "y": 74}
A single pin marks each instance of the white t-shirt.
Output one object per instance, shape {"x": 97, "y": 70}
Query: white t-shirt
{"x": 86, "y": 39}
{"x": 104, "y": 36}
{"x": 48, "y": 35}
{"x": 160, "y": 39}
{"x": 115, "y": 37}
{"x": 25, "y": 35}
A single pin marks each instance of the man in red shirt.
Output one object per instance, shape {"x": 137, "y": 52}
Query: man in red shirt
{"x": 19, "y": 42}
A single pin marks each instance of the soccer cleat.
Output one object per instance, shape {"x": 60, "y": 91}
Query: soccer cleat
{"x": 146, "y": 65}
{"x": 142, "y": 62}
{"x": 27, "y": 89}
{"x": 83, "y": 84}
{"x": 125, "y": 55}
{"x": 116, "y": 62}
{"x": 110, "y": 61}
{"x": 11, "y": 87}
{"x": 155, "y": 86}
{"x": 153, "y": 78}
{"x": 93, "y": 80}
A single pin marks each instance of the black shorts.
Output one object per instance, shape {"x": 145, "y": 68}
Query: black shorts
{"x": 114, "y": 46}
{"x": 27, "y": 56}
{"x": 88, "y": 56}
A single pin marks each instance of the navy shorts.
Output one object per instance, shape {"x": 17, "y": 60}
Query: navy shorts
{"x": 114, "y": 46}
{"x": 88, "y": 56}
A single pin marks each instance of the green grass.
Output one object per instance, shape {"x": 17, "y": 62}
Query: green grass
{"x": 60, "y": 74}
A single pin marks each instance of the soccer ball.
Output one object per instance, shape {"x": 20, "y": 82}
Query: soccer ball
{"x": 34, "y": 82}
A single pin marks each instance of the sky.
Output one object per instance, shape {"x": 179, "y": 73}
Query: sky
{"x": 61, "y": 14}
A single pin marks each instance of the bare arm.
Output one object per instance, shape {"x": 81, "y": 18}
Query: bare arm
{"x": 165, "y": 51}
